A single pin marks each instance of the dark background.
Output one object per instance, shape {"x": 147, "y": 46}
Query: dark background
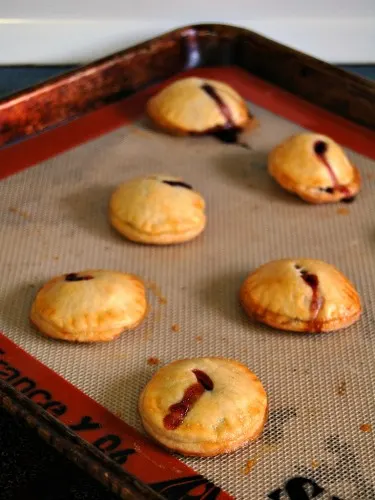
{"x": 32, "y": 470}
{"x": 14, "y": 78}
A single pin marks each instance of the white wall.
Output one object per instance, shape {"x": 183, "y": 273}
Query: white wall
{"x": 65, "y": 31}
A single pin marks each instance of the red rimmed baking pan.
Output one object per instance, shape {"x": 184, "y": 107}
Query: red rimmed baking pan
{"x": 54, "y": 221}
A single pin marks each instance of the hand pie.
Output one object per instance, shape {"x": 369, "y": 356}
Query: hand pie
{"x": 203, "y": 406}
{"x": 199, "y": 106}
{"x": 315, "y": 168}
{"x": 157, "y": 209}
{"x": 89, "y": 306}
{"x": 301, "y": 295}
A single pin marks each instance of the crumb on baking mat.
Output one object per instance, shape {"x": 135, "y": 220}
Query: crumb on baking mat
{"x": 21, "y": 213}
{"x": 155, "y": 289}
{"x": 366, "y": 427}
{"x": 249, "y": 465}
{"x": 153, "y": 361}
{"x": 341, "y": 388}
{"x": 343, "y": 211}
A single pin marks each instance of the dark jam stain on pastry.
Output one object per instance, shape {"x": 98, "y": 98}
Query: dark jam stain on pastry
{"x": 204, "y": 380}
{"x": 224, "y": 109}
{"x": 229, "y": 133}
{"x": 320, "y": 149}
{"x": 178, "y": 184}
{"x": 316, "y": 303}
{"x": 76, "y": 277}
{"x": 178, "y": 411}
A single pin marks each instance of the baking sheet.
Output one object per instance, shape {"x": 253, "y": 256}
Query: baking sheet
{"x": 321, "y": 387}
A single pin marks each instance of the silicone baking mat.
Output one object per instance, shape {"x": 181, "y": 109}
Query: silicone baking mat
{"x": 318, "y": 440}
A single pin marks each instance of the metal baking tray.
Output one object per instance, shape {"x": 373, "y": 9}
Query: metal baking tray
{"x": 83, "y": 133}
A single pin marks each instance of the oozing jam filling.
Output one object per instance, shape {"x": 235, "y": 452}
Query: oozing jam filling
{"x": 348, "y": 200}
{"x": 204, "y": 380}
{"x": 178, "y": 411}
{"x": 320, "y": 149}
{"x": 316, "y": 303}
{"x": 228, "y": 135}
{"x": 224, "y": 109}
{"x": 76, "y": 277}
{"x": 229, "y": 132}
{"x": 178, "y": 184}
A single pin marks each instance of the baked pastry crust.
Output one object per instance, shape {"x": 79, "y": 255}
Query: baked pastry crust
{"x": 301, "y": 295}
{"x": 225, "y": 416}
{"x": 158, "y": 210}
{"x": 90, "y": 306}
{"x": 198, "y": 106}
{"x": 314, "y": 167}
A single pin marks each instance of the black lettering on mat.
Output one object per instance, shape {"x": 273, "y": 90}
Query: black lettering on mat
{"x": 298, "y": 488}
{"x": 109, "y": 444}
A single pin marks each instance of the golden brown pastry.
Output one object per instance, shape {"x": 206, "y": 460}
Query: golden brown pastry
{"x": 315, "y": 168}
{"x": 301, "y": 295}
{"x": 203, "y": 406}
{"x": 199, "y": 106}
{"x": 89, "y": 306}
{"x": 157, "y": 209}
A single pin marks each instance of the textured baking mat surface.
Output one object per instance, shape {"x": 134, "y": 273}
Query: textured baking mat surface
{"x": 321, "y": 387}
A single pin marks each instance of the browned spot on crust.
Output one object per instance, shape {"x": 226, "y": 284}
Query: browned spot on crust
{"x": 366, "y": 428}
{"x": 153, "y": 361}
{"x": 175, "y": 327}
